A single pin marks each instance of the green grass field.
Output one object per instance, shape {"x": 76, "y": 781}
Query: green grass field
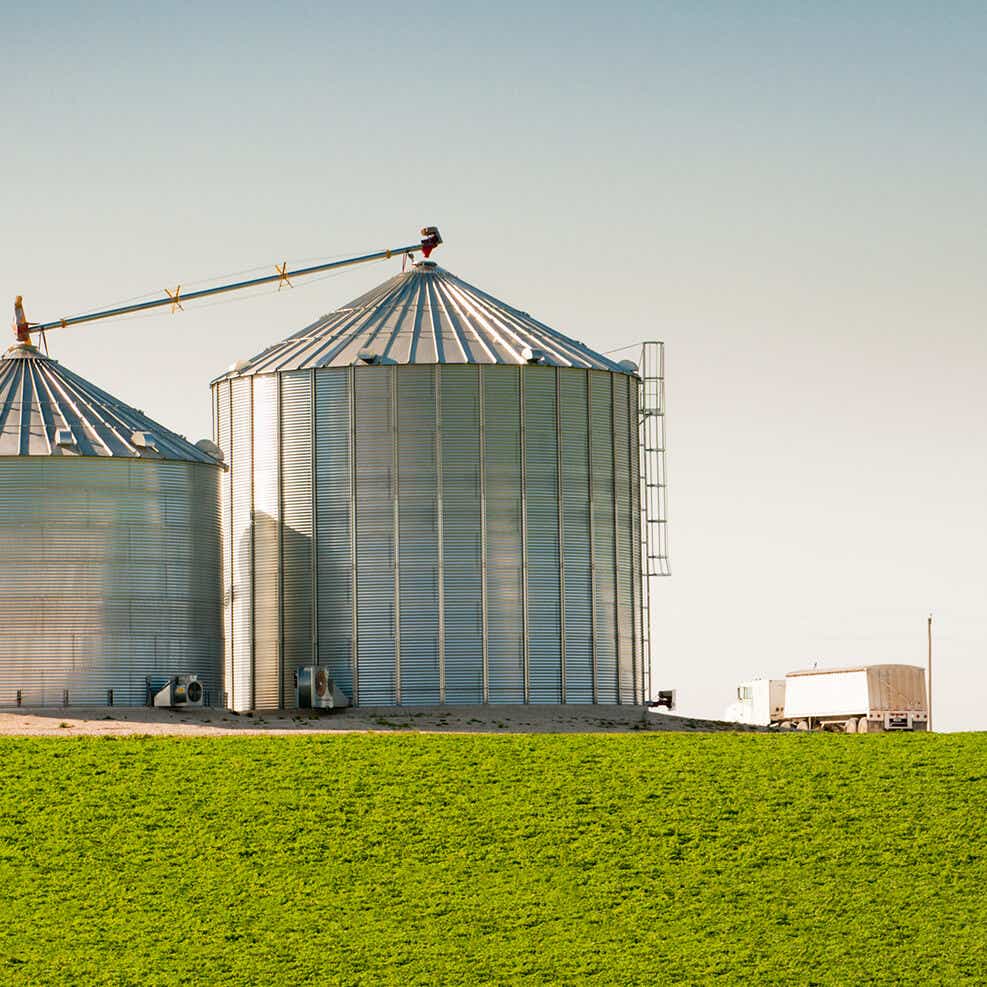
{"x": 426, "y": 859}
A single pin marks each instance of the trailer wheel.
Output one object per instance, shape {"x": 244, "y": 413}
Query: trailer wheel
{"x": 802, "y": 725}
{"x": 850, "y": 726}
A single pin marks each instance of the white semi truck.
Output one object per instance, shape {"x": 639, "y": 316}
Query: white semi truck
{"x": 862, "y": 699}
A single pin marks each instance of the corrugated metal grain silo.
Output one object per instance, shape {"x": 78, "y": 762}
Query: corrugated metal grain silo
{"x": 437, "y": 497}
{"x": 110, "y": 545}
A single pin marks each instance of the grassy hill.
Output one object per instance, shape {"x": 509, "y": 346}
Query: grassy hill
{"x": 424, "y": 859}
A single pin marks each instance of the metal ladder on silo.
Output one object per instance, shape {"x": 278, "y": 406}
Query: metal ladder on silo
{"x": 654, "y": 489}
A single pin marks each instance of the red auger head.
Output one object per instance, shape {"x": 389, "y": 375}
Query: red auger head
{"x": 430, "y": 239}
{"x": 22, "y": 328}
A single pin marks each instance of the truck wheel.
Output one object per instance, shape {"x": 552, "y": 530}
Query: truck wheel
{"x": 862, "y": 725}
{"x": 850, "y": 726}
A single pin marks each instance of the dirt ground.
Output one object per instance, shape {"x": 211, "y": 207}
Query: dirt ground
{"x": 122, "y": 721}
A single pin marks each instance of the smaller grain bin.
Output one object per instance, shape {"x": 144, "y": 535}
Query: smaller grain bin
{"x": 109, "y": 545}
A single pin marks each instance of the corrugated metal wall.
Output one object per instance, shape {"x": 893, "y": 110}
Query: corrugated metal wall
{"x": 297, "y": 527}
{"x": 241, "y": 562}
{"x": 418, "y": 530}
{"x": 377, "y": 560}
{"x": 625, "y": 450}
{"x": 462, "y": 534}
{"x": 334, "y": 493}
{"x": 465, "y": 533}
{"x": 501, "y": 431}
{"x": 541, "y": 487}
{"x": 577, "y": 550}
{"x": 267, "y": 545}
{"x": 111, "y": 573}
{"x": 223, "y": 437}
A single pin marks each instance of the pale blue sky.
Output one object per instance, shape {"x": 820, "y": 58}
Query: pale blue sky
{"x": 791, "y": 195}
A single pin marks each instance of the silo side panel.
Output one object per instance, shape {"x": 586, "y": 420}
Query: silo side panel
{"x": 224, "y": 439}
{"x": 604, "y": 558}
{"x": 243, "y": 547}
{"x": 333, "y": 525}
{"x": 187, "y": 629}
{"x": 461, "y": 524}
{"x": 377, "y": 667}
{"x": 502, "y": 464}
{"x": 267, "y": 549}
{"x": 576, "y": 538}
{"x": 297, "y": 502}
{"x": 111, "y": 574}
{"x": 187, "y": 543}
{"x": 542, "y": 507}
{"x": 419, "y": 535}
{"x": 625, "y": 445}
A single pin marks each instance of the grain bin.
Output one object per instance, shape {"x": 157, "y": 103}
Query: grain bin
{"x": 110, "y": 545}
{"x": 437, "y": 497}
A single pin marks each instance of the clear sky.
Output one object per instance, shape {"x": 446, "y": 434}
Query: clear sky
{"x": 792, "y": 196}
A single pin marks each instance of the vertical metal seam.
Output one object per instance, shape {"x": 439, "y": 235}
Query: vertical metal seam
{"x": 314, "y": 556}
{"x": 632, "y": 452}
{"x": 592, "y": 538}
{"x": 232, "y": 697}
{"x": 483, "y": 533}
{"x": 559, "y": 491}
{"x": 616, "y": 535}
{"x": 253, "y": 557}
{"x": 396, "y": 507}
{"x": 526, "y": 644}
{"x": 440, "y": 532}
{"x": 280, "y": 479}
{"x": 354, "y": 582}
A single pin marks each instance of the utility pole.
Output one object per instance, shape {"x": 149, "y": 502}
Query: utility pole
{"x": 930, "y": 673}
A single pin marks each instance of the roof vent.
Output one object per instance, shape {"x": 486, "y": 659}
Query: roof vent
{"x": 211, "y": 449}
{"x": 372, "y": 359}
{"x": 144, "y": 440}
{"x": 65, "y": 437}
{"x": 533, "y": 356}
{"x": 629, "y": 365}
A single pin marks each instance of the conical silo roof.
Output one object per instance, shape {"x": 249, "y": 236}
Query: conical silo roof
{"x": 424, "y": 315}
{"x": 46, "y": 410}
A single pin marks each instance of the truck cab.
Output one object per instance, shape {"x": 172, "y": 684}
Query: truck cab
{"x": 760, "y": 702}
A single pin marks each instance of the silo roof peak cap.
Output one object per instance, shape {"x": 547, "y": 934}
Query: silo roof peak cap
{"x": 25, "y": 351}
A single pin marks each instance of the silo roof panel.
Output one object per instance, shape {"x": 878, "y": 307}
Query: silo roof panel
{"x": 47, "y": 410}
{"x": 424, "y": 315}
